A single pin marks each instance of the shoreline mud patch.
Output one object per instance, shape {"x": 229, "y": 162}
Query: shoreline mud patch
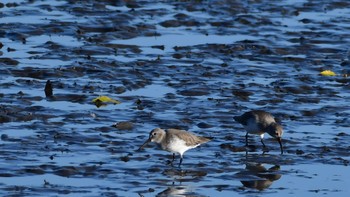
{"x": 172, "y": 64}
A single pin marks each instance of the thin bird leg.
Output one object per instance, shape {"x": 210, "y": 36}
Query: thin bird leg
{"x": 173, "y": 158}
{"x": 180, "y": 161}
{"x": 246, "y": 139}
{"x": 172, "y": 161}
{"x": 262, "y": 140}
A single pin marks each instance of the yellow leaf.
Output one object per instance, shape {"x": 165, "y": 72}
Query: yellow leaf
{"x": 327, "y": 73}
{"x": 105, "y": 99}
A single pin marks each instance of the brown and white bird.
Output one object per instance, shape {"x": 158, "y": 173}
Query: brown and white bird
{"x": 259, "y": 122}
{"x": 175, "y": 141}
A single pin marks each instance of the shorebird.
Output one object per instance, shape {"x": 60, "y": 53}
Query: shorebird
{"x": 260, "y": 122}
{"x": 175, "y": 141}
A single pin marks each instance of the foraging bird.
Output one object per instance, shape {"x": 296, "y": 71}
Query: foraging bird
{"x": 175, "y": 141}
{"x": 260, "y": 122}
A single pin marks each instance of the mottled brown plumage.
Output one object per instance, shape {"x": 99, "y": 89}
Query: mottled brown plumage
{"x": 260, "y": 122}
{"x": 175, "y": 140}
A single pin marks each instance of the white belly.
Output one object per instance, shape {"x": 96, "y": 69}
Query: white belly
{"x": 178, "y": 146}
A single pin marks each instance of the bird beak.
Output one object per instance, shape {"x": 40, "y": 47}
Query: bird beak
{"x": 280, "y": 142}
{"x": 144, "y": 144}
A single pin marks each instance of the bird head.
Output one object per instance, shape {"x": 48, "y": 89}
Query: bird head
{"x": 156, "y": 135}
{"x": 275, "y": 130}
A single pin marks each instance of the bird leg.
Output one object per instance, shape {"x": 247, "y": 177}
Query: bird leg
{"x": 172, "y": 161}
{"x": 246, "y": 139}
{"x": 173, "y": 158}
{"x": 180, "y": 161}
{"x": 262, "y": 140}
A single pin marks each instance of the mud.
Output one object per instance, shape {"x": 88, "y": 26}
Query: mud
{"x": 172, "y": 64}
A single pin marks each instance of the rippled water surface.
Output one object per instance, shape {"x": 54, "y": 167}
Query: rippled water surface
{"x": 173, "y": 64}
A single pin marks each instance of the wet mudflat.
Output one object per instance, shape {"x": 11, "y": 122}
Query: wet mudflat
{"x": 174, "y": 64}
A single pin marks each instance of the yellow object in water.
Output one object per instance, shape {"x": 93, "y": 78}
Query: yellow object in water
{"x": 328, "y": 73}
{"x": 105, "y": 99}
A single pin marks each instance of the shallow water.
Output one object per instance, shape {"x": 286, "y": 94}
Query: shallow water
{"x": 190, "y": 65}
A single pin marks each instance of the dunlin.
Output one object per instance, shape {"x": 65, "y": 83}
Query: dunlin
{"x": 260, "y": 122}
{"x": 175, "y": 141}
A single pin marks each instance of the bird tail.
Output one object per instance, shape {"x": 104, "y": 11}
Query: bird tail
{"x": 206, "y": 139}
{"x": 237, "y": 118}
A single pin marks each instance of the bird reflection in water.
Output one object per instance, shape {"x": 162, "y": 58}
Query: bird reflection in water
{"x": 258, "y": 177}
{"x": 175, "y": 191}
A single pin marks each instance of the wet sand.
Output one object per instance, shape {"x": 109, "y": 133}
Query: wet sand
{"x": 175, "y": 64}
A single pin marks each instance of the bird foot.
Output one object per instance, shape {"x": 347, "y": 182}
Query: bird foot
{"x": 170, "y": 163}
{"x": 265, "y": 150}
{"x": 251, "y": 147}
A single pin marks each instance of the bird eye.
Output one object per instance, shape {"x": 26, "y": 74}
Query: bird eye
{"x": 154, "y": 134}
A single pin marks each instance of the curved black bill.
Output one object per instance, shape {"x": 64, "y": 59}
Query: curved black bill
{"x": 280, "y": 142}
{"x": 144, "y": 144}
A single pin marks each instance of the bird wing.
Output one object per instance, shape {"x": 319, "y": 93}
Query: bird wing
{"x": 190, "y": 138}
{"x": 245, "y": 118}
